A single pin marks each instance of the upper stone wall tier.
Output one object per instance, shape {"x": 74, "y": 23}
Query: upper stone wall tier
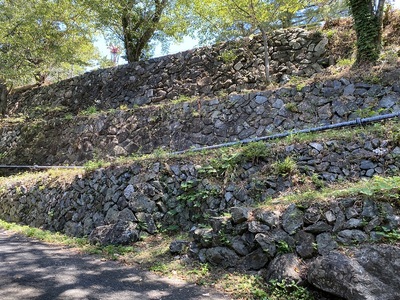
{"x": 178, "y": 126}
{"x": 230, "y": 66}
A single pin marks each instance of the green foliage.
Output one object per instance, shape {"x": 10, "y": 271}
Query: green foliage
{"x": 317, "y": 181}
{"x": 284, "y": 290}
{"x": 255, "y": 151}
{"x": 228, "y": 56}
{"x": 292, "y": 106}
{"x": 43, "y": 39}
{"x": 193, "y": 195}
{"x": 181, "y": 99}
{"x": 44, "y": 235}
{"x": 388, "y": 187}
{"x": 92, "y": 165}
{"x": 137, "y": 26}
{"x": 330, "y": 33}
{"x": 367, "y": 15}
{"x": 227, "y": 162}
{"x": 368, "y": 112}
{"x": 392, "y": 236}
{"x": 68, "y": 116}
{"x": 389, "y": 56}
{"x": 286, "y": 167}
{"x": 91, "y": 110}
{"x": 345, "y": 62}
{"x": 283, "y": 247}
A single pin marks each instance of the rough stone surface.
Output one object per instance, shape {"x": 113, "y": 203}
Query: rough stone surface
{"x": 120, "y": 233}
{"x": 284, "y": 267}
{"x": 292, "y": 219}
{"x": 222, "y": 256}
{"x": 359, "y": 276}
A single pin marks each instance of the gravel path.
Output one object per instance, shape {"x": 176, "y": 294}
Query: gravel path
{"x": 34, "y": 270}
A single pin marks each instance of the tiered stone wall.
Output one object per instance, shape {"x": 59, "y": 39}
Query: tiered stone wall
{"x": 232, "y": 66}
{"x": 75, "y": 140}
{"x": 182, "y": 192}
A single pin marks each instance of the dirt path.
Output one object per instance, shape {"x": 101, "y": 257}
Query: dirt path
{"x": 34, "y": 270}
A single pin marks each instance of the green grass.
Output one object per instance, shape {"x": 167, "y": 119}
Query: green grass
{"x": 385, "y": 188}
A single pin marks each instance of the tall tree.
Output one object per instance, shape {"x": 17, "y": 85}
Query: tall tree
{"x": 39, "y": 35}
{"x": 367, "y": 15}
{"x": 137, "y": 24}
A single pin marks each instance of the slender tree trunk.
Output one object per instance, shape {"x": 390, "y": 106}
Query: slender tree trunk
{"x": 128, "y": 38}
{"x": 368, "y": 26}
{"x": 137, "y": 33}
{"x": 3, "y": 98}
{"x": 266, "y": 54}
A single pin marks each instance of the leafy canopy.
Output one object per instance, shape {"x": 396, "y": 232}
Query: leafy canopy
{"x": 39, "y": 37}
{"x": 138, "y": 25}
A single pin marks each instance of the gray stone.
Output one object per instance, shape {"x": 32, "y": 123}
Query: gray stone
{"x": 178, "y": 247}
{"x": 369, "y": 272}
{"x": 128, "y": 191}
{"x": 266, "y": 244}
{"x": 278, "y": 104}
{"x": 330, "y": 217}
{"x": 141, "y": 203}
{"x": 317, "y": 146}
{"x": 320, "y": 47}
{"x": 312, "y": 215}
{"x": 255, "y": 260}
{"x": 325, "y": 243}
{"x": 367, "y": 164}
{"x": 203, "y": 236}
{"x": 240, "y": 246}
{"x": 146, "y": 222}
{"x": 271, "y": 218}
{"x": 292, "y": 219}
{"x": 348, "y": 236}
{"x": 126, "y": 215}
{"x": 260, "y": 99}
{"x": 240, "y": 214}
{"x": 120, "y": 233}
{"x": 352, "y": 212}
{"x": 349, "y": 90}
{"x": 318, "y": 227}
{"x": 388, "y": 101}
{"x": 354, "y": 223}
{"x": 257, "y": 227}
{"x": 284, "y": 267}
{"x": 112, "y": 215}
{"x": 370, "y": 209}
{"x": 305, "y": 244}
{"x": 222, "y": 256}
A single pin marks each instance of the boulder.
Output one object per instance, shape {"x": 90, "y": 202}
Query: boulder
{"x": 368, "y": 272}
{"x": 120, "y": 233}
{"x": 222, "y": 256}
{"x": 284, "y": 267}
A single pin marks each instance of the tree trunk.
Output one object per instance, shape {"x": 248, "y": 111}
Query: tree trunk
{"x": 128, "y": 39}
{"x": 266, "y": 54}
{"x": 368, "y": 26}
{"x": 3, "y": 98}
{"x": 137, "y": 34}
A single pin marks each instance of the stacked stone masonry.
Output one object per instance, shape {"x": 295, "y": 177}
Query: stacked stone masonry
{"x": 182, "y": 193}
{"x": 231, "y": 66}
{"x": 59, "y": 140}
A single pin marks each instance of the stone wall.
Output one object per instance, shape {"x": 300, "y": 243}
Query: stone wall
{"x": 232, "y": 66}
{"x": 59, "y": 139}
{"x": 181, "y": 192}
{"x": 299, "y": 242}
{"x": 309, "y": 243}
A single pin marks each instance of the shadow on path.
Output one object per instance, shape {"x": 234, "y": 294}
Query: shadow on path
{"x": 34, "y": 270}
